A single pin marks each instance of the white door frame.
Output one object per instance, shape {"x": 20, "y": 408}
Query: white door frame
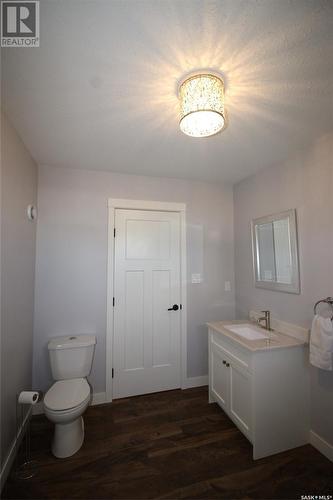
{"x": 113, "y": 204}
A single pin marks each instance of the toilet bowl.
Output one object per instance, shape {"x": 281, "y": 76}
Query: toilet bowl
{"x": 65, "y": 402}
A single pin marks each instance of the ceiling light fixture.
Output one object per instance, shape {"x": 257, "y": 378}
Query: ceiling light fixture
{"x": 202, "y": 105}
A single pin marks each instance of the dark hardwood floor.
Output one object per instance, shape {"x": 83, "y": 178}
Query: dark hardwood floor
{"x": 167, "y": 445}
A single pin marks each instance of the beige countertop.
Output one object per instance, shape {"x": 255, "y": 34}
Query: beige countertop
{"x": 276, "y": 339}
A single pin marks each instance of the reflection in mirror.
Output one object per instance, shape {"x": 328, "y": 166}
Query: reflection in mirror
{"x": 275, "y": 252}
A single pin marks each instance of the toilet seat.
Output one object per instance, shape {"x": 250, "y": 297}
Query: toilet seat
{"x": 65, "y": 395}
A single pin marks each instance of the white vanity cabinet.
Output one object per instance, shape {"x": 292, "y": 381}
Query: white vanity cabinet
{"x": 265, "y": 391}
{"x": 230, "y": 386}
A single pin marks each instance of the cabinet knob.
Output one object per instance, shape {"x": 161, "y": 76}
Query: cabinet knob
{"x": 227, "y": 365}
{"x": 224, "y": 362}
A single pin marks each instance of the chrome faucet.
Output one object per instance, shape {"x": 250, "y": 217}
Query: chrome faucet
{"x": 266, "y": 319}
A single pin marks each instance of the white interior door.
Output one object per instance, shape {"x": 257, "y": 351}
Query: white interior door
{"x": 147, "y": 345}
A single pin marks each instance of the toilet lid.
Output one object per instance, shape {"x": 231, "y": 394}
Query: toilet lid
{"x": 66, "y": 394}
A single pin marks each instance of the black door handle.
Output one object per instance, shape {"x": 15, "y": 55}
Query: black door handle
{"x": 175, "y": 307}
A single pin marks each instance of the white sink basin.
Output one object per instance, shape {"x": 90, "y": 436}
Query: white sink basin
{"x": 247, "y": 331}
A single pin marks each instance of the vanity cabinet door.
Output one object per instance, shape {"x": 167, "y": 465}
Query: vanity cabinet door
{"x": 219, "y": 377}
{"x": 240, "y": 397}
{"x": 230, "y": 385}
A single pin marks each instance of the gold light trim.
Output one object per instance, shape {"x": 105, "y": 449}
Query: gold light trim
{"x": 201, "y": 105}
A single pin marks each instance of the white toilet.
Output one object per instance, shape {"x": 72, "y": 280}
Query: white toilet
{"x": 67, "y": 399}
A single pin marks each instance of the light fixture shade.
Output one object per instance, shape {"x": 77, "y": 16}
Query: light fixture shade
{"x": 201, "y": 105}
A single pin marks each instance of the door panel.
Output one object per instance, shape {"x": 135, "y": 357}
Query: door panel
{"x": 147, "y": 239}
{"x": 162, "y": 326}
{"x": 134, "y": 320}
{"x": 147, "y": 282}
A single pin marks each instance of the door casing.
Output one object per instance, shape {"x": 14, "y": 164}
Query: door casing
{"x": 114, "y": 204}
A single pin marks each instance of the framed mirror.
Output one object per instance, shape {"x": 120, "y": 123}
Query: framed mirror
{"x": 275, "y": 252}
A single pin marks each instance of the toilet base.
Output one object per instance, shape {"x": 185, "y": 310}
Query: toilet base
{"x": 68, "y": 438}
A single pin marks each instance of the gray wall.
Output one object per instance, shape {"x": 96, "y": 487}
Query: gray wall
{"x": 304, "y": 183}
{"x": 72, "y": 252}
{"x": 18, "y": 189}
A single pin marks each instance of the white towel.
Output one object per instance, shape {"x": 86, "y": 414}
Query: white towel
{"x": 321, "y": 343}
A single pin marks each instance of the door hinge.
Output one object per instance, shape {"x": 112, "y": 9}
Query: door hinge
{"x": 112, "y": 372}
{"x": 114, "y": 232}
{"x": 113, "y": 301}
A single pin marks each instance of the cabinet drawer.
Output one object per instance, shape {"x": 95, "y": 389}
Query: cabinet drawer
{"x": 238, "y": 355}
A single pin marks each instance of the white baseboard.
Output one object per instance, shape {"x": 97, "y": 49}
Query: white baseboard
{"x": 321, "y": 445}
{"x": 12, "y": 451}
{"x": 99, "y": 398}
{"x": 195, "y": 382}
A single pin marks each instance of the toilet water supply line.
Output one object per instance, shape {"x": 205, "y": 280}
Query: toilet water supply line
{"x": 24, "y": 470}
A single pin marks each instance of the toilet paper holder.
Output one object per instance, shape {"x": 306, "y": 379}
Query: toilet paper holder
{"x": 27, "y": 468}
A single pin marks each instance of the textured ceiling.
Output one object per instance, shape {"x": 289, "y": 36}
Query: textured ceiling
{"x": 101, "y": 91}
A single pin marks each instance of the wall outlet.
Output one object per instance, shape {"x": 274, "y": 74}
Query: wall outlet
{"x": 227, "y": 286}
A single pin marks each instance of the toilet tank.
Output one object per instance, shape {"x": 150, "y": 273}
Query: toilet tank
{"x": 71, "y": 356}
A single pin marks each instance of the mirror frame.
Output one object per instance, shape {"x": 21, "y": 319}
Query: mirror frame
{"x": 294, "y": 286}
